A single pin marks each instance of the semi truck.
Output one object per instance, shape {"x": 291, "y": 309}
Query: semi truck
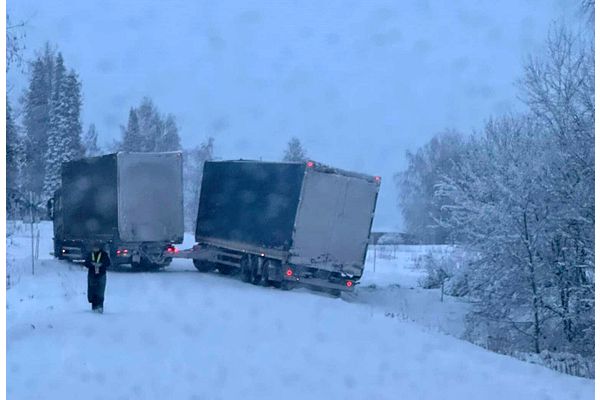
{"x": 284, "y": 223}
{"x": 129, "y": 203}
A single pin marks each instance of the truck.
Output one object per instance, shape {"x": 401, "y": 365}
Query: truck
{"x": 284, "y": 224}
{"x": 129, "y": 203}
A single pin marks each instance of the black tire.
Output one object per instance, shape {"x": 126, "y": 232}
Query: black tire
{"x": 335, "y": 292}
{"x": 264, "y": 273}
{"x": 256, "y": 266}
{"x": 137, "y": 266}
{"x": 276, "y": 284}
{"x": 245, "y": 269}
{"x": 203, "y": 266}
{"x": 225, "y": 269}
{"x": 286, "y": 285}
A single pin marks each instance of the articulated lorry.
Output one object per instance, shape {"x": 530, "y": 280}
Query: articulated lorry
{"x": 131, "y": 203}
{"x": 284, "y": 224}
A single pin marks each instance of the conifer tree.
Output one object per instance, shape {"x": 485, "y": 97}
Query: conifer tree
{"x": 132, "y": 138}
{"x": 64, "y": 140}
{"x": 170, "y": 139}
{"x": 91, "y": 142}
{"x": 295, "y": 151}
{"x": 14, "y": 162}
{"x": 36, "y": 119}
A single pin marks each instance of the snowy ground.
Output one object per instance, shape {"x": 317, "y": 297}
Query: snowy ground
{"x": 180, "y": 334}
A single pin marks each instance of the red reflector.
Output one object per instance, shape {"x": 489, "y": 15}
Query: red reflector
{"x": 310, "y": 164}
{"x": 349, "y": 283}
{"x": 289, "y": 272}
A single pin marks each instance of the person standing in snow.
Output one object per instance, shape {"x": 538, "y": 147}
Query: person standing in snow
{"x": 97, "y": 262}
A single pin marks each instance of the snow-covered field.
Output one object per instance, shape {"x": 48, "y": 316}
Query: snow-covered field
{"x": 179, "y": 334}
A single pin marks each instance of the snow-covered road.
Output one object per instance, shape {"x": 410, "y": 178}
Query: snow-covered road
{"x": 179, "y": 334}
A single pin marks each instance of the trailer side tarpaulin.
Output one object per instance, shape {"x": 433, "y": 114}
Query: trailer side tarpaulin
{"x": 250, "y": 202}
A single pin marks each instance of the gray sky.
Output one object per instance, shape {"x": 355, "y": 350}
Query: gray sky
{"x": 359, "y": 82}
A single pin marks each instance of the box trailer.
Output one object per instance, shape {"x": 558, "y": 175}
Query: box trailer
{"x": 132, "y": 203}
{"x": 284, "y": 223}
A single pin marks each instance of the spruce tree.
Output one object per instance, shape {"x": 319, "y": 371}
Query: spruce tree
{"x": 132, "y": 139}
{"x": 151, "y": 126}
{"x": 91, "y": 142}
{"x": 36, "y": 120}
{"x": 295, "y": 152}
{"x": 170, "y": 139}
{"x": 14, "y": 163}
{"x": 64, "y": 139}
{"x": 73, "y": 101}
{"x": 147, "y": 131}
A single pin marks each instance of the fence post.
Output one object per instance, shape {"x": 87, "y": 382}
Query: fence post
{"x": 374, "y": 256}
{"x": 32, "y": 237}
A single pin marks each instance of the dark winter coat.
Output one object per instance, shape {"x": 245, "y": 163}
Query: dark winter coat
{"x": 97, "y": 281}
{"x": 104, "y": 262}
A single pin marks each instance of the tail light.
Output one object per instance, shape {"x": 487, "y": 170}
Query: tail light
{"x": 289, "y": 272}
{"x": 378, "y": 179}
{"x": 349, "y": 283}
{"x": 172, "y": 249}
{"x": 122, "y": 252}
{"x": 310, "y": 164}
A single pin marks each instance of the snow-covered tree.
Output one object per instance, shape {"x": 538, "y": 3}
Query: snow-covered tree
{"x": 148, "y": 131}
{"x": 193, "y": 164}
{"x": 295, "y": 151}
{"x": 14, "y": 42}
{"x": 151, "y": 125}
{"x": 416, "y": 186}
{"x": 64, "y": 136}
{"x": 36, "y": 119}
{"x": 91, "y": 142}
{"x": 520, "y": 197}
{"x": 14, "y": 163}
{"x": 170, "y": 139}
{"x": 132, "y": 138}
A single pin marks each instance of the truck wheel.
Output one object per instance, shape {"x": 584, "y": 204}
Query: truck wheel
{"x": 245, "y": 269}
{"x": 137, "y": 266}
{"x": 225, "y": 269}
{"x": 264, "y": 273}
{"x": 202, "y": 266}
{"x": 255, "y": 270}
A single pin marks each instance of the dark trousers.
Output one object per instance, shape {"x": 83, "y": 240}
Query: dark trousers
{"x": 96, "y": 286}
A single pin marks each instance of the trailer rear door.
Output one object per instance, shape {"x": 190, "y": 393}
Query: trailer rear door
{"x": 150, "y": 197}
{"x": 333, "y": 222}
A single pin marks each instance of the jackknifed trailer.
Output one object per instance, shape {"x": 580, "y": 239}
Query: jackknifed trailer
{"x": 283, "y": 223}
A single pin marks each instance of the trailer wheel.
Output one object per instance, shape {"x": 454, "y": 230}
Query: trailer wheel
{"x": 256, "y": 266}
{"x": 264, "y": 273}
{"x": 225, "y": 269}
{"x": 245, "y": 268}
{"x": 202, "y": 266}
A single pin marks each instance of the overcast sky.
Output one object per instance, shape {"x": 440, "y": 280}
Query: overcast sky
{"x": 359, "y": 82}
